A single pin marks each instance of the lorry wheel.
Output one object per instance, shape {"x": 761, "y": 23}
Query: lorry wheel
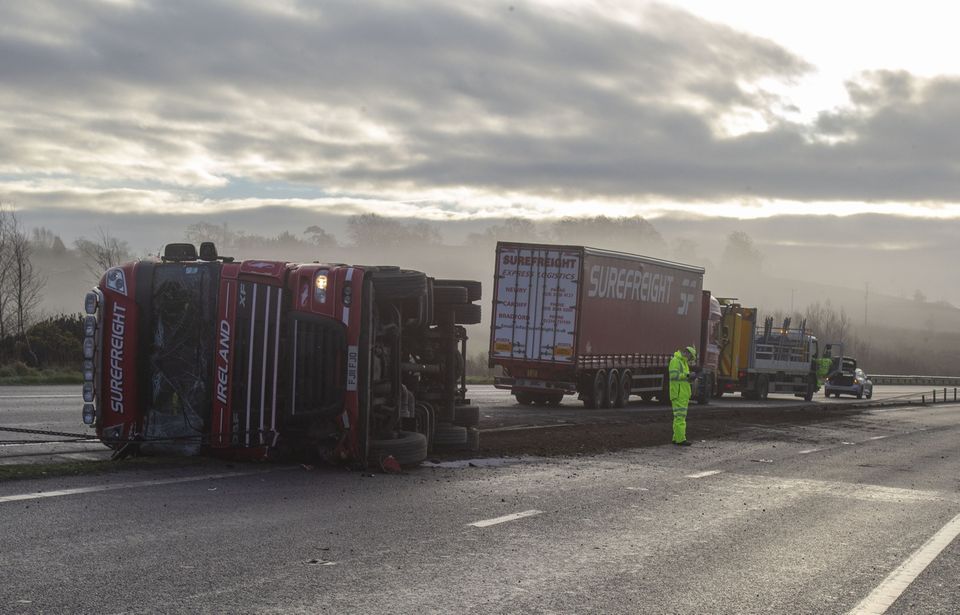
{"x": 449, "y": 436}
{"x": 467, "y": 314}
{"x": 763, "y": 387}
{"x": 646, "y": 396}
{"x": 449, "y": 294}
{"x": 601, "y": 390}
{"x": 811, "y": 387}
{"x": 399, "y": 283}
{"x": 474, "y": 288}
{"x": 614, "y": 392}
{"x": 554, "y": 399}
{"x": 524, "y": 399}
{"x": 466, "y": 416}
{"x": 706, "y": 390}
{"x": 408, "y": 448}
{"x": 626, "y": 383}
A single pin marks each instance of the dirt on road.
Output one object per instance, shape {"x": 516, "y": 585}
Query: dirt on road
{"x": 647, "y": 429}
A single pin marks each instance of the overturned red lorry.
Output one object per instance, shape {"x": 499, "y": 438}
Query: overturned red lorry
{"x": 194, "y": 353}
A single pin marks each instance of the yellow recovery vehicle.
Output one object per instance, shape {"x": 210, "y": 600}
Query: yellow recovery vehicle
{"x": 760, "y": 359}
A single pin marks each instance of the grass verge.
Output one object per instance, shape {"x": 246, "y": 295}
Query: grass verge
{"x": 10, "y": 472}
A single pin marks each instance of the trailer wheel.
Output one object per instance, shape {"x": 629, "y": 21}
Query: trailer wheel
{"x": 554, "y": 399}
{"x": 408, "y": 448}
{"x": 646, "y": 396}
{"x": 399, "y": 283}
{"x": 474, "y": 288}
{"x": 614, "y": 392}
{"x": 811, "y": 386}
{"x": 601, "y": 390}
{"x": 626, "y": 383}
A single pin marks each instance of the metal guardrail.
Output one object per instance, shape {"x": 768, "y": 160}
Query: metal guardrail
{"x": 937, "y": 381}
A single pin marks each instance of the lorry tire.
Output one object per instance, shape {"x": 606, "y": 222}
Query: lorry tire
{"x": 614, "y": 392}
{"x": 601, "y": 389}
{"x": 474, "y": 288}
{"x": 626, "y": 383}
{"x": 524, "y": 399}
{"x": 399, "y": 283}
{"x": 763, "y": 387}
{"x": 449, "y": 294}
{"x": 449, "y": 436}
{"x": 467, "y": 314}
{"x": 554, "y": 399}
{"x": 705, "y": 392}
{"x": 408, "y": 448}
{"x": 466, "y": 416}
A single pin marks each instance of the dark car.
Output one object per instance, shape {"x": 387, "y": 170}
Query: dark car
{"x": 847, "y": 379}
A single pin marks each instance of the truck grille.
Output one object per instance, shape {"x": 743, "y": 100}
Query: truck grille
{"x": 256, "y": 363}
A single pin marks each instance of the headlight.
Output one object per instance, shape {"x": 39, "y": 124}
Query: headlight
{"x": 89, "y": 414}
{"x": 88, "y": 348}
{"x": 90, "y": 303}
{"x": 117, "y": 281}
{"x": 90, "y": 326}
{"x": 88, "y": 392}
{"x": 320, "y": 287}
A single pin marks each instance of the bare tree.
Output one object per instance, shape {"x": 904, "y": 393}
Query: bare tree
{"x": 103, "y": 252}
{"x": 23, "y": 282}
{"x": 5, "y": 267}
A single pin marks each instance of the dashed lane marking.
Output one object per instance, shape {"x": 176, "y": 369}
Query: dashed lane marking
{"x": 149, "y": 483}
{"x": 505, "y": 518}
{"x": 897, "y": 581}
{"x": 810, "y": 450}
{"x": 878, "y": 437}
{"x": 703, "y": 474}
{"x": 40, "y": 396}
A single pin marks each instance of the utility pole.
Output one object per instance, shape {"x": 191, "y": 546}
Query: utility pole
{"x": 866, "y": 301}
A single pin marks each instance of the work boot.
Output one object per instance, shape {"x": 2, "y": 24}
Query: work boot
{"x": 684, "y": 443}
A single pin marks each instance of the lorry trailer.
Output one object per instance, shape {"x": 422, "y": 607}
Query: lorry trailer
{"x": 596, "y": 323}
{"x": 194, "y": 353}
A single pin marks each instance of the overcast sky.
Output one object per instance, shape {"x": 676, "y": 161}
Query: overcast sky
{"x": 449, "y": 110}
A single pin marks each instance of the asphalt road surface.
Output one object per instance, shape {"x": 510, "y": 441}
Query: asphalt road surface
{"x": 858, "y": 515}
{"x": 57, "y": 409}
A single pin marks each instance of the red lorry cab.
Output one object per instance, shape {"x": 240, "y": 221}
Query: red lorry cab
{"x": 195, "y": 355}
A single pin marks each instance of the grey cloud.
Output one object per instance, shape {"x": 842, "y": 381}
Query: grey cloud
{"x": 564, "y": 104}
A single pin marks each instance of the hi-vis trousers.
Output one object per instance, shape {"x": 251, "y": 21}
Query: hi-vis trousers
{"x": 679, "y": 421}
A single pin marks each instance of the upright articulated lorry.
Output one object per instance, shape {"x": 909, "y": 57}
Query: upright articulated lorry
{"x": 197, "y": 354}
{"x": 758, "y": 359}
{"x": 601, "y": 324}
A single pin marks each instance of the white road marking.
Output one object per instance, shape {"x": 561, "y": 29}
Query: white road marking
{"x": 810, "y": 450}
{"x": 88, "y": 442}
{"x": 505, "y": 518}
{"x": 40, "y": 396}
{"x": 703, "y": 474}
{"x": 897, "y": 582}
{"x": 878, "y": 437}
{"x": 149, "y": 483}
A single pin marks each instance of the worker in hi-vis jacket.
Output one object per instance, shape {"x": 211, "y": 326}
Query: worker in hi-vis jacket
{"x": 680, "y": 379}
